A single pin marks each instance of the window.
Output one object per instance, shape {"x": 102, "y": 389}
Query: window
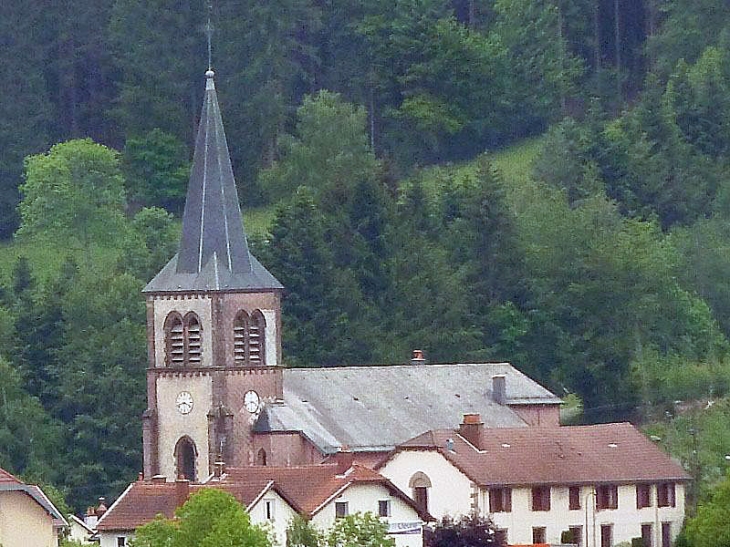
{"x": 647, "y": 535}
{"x": 261, "y": 457}
{"x": 574, "y": 498}
{"x": 419, "y": 484}
{"x": 500, "y": 500}
{"x": 666, "y": 534}
{"x": 183, "y": 340}
{"x": 341, "y": 509}
{"x": 384, "y": 508}
{"x": 607, "y": 496}
{"x": 576, "y": 535}
{"x": 248, "y": 339}
{"x": 192, "y": 331}
{"x": 606, "y": 535}
{"x": 643, "y": 496}
{"x": 665, "y": 494}
{"x": 538, "y": 534}
{"x": 121, "y": 541}
{"x": 541, "y": 500}
{"x": 269, "y": 509}
{"x": 420, "y": 496}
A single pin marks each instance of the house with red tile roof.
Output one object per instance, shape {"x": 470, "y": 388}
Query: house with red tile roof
{"x": 27, "y": 516}
{"x": 275, "y": 495}
{"x": 604, "y": 483}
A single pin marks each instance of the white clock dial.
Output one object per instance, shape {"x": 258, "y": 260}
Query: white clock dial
{"x": 251, "y": 401}
{"x": 184, "y": 402}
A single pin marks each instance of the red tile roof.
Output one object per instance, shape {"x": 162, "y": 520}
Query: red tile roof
{"x": 7, "y": 478}
{"x": 306, "y": 488}
{"x": 606, "y": 453}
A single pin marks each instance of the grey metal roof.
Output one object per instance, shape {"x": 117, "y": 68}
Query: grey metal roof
{"x": 213, "y": 253}
{"x": 375, "y": 408}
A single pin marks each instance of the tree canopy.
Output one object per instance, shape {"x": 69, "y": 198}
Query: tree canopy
{"x": 209, "y": 518}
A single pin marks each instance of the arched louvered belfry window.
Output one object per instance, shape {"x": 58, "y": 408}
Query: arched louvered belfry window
{"x": 249, "y": 335}
{"x": 193, "y": 339}
{"x": 256, "y": 339}
{"x": 183, "y": 340}
{"x": 240, "y": 334}
{"x": 174, "y": 341}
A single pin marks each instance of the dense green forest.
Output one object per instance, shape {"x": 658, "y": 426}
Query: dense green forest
{"x": 592, "y": 255}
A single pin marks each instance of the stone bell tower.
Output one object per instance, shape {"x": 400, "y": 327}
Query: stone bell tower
{"x": 213, "y": 326}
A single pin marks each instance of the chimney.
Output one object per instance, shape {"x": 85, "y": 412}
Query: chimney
{"x": 102, "y": 507}
{"x": 90, "y": 519}
{"x": 471, "y": 429}
{"x": 499, "y": 389}
{"x": 182, "y": 491}
{"x": 344, "y": 459}
{"x": 159, "y": 479}
{"x": 140, "y": 477}
{"x": 418, "y": 358}
{"x": 219, "y": 469}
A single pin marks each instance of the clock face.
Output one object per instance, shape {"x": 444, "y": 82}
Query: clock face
{"x": 251, "y": 401}
{"x": 184, "y": 402}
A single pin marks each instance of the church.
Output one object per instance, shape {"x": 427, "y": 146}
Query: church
{"x": 217, "y": 387}
{"x": 410, "y": 442}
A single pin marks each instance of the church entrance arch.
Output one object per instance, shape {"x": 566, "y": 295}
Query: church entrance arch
{"x": 185, "y": 455}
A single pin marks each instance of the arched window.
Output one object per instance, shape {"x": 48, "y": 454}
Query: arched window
{"x": 174, "y": 340}
{"x": 419, "y": 484}
{"x": 261, "y": 457}
{"x": 240, "y": 330}
{"x": 183, "y": 340}
{"x": 256, "y": 333}
{"x": 249, "y": 335}
{"x": 185, "y": 455}
{"x": 193, "y": 338}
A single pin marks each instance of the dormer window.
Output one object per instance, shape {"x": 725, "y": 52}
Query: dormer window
{"x": 249, "y": 334}
{"x": 183, "y": 340}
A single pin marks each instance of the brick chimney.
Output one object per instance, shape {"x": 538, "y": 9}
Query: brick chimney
{"x": 499, "y": 389}
{"x": 182, "y": 491}
{"x": 418, "y": 358}
{"x": 219, "y": 469}
{"x": 344, "y": 459}
{"x": 471, "y": 429}
{"x": 101, "y": 509}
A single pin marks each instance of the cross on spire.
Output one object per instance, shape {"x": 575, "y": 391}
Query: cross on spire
{"x": 209, "y": 33}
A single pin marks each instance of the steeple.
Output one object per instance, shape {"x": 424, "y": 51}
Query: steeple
{"x": 213, "y": 252}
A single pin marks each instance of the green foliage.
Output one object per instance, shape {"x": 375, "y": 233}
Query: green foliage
{"x": 329, "y": 152}
{"x": 156, "y": 170}
{"x": 152, "y": 240}
{"x": 321, "y": 297}
{"x": 210, "y": 518}
{"x": 710, "y": 527}
{"x": 359, "y": 530}
{"x": 73, "y": 195}
{"x": 29, "y": 438}
{"x": 467, "y": 531}
{"x": 302, "y": 533}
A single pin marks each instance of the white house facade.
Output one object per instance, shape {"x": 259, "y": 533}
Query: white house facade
{"x": 603, "y": 485}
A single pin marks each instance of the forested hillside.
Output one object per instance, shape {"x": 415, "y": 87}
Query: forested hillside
{"x": 389, "y": 137}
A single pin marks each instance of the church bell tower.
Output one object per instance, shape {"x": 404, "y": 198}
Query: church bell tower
{"x": 213, "y": 326}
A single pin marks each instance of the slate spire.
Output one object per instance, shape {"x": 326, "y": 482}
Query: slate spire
{"x": 213, "y": 253}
